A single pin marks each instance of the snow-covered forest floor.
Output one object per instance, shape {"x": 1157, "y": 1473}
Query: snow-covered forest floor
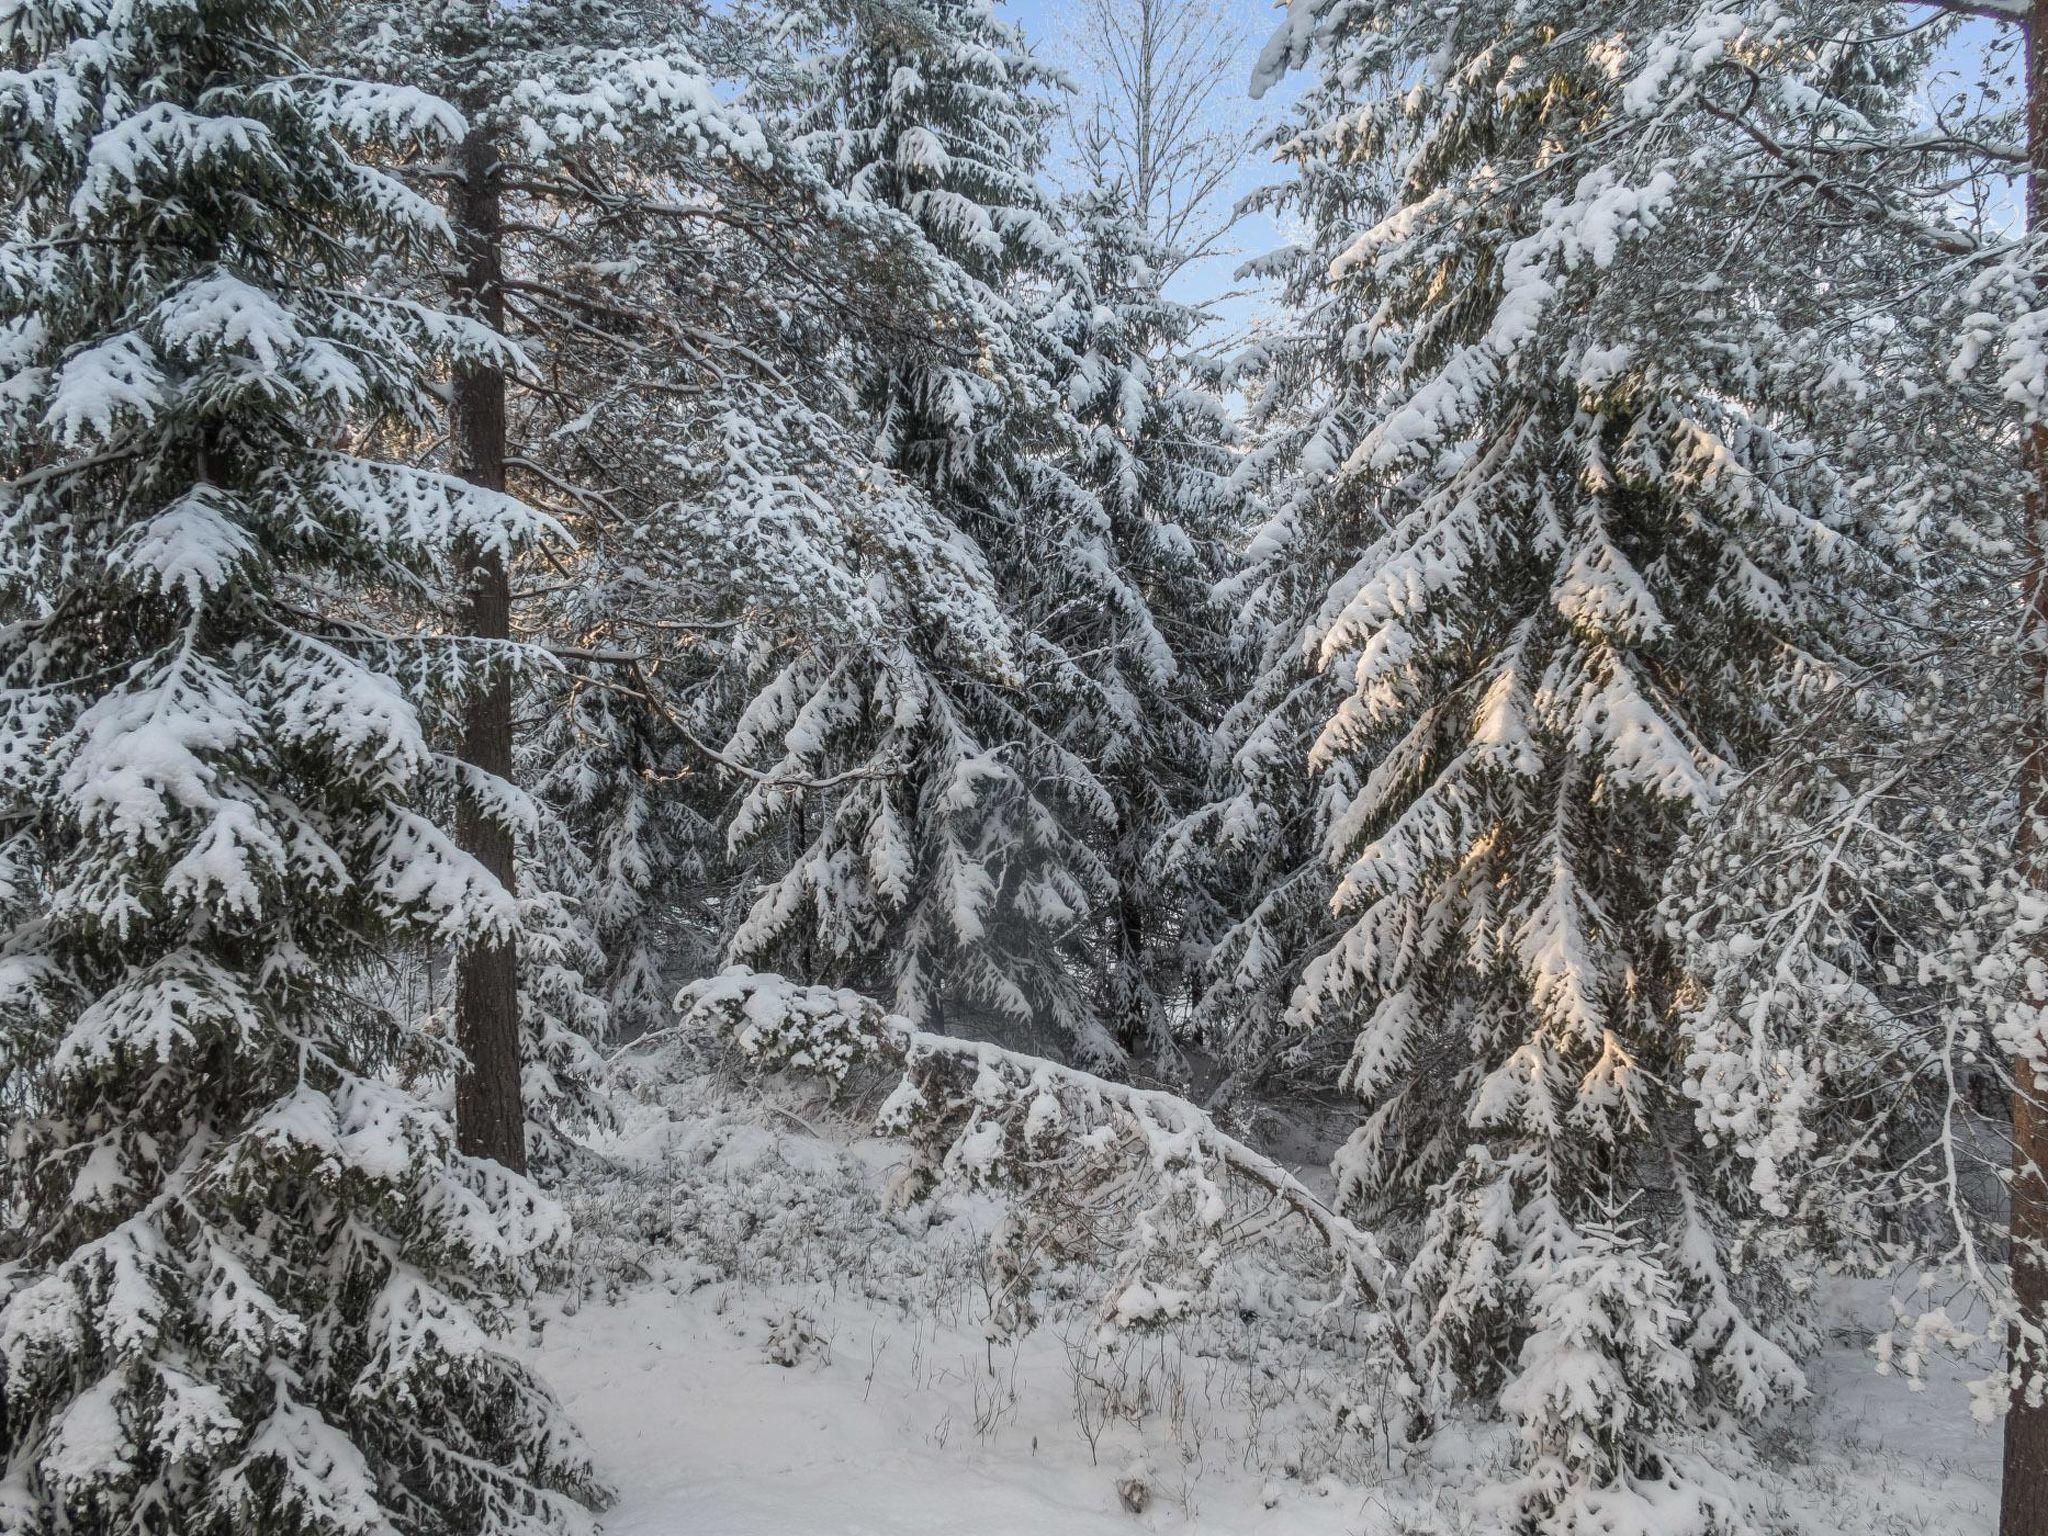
{"x": 755, "y": 1343}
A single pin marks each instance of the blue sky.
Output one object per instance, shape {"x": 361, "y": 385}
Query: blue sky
{"x": 1048, "y": 23}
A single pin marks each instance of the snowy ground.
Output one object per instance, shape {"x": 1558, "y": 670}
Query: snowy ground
{"x": 704, "y": 1436}
{"x": 739, "y": 1372}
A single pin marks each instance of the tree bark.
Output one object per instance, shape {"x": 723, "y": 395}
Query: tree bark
{"x": 490, "y": 1118}
{"x": 2023, "y": 1509}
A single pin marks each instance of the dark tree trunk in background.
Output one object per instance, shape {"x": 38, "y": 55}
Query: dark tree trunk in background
{"x": 490, "y": 1120}
{"x": 1132, "y": 1019}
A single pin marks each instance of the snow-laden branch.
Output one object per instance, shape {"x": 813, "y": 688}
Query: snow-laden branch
{"x": 1139, "y": 1172}
{"x": 2016, "y": 12}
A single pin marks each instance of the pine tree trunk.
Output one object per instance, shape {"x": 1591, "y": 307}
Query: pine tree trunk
{"x": 2024, "y": 1504}
{"x": 490, "y": 1120}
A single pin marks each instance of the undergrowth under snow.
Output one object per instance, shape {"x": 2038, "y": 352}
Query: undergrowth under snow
{"x": 756, "y": 1343}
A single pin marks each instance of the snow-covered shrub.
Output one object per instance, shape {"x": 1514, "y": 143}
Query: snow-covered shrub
{"x": 793, "y": 1338}
{"x": 707, "y": 1183}
{"x": 1137, "y": 1182}
{"x": 747, "y": 1197}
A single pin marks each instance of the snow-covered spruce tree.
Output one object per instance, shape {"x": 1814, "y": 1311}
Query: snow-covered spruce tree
{"x": 690, "y": 422}
{"x": 1250, "y": 856}
{"x": 686, "y": 295}
{"x": 1254, "y": 849}
{"x": 580, "y": 116}
{"x": 787, "y": 549}
{"x": 965, "y": 877}
{"x": 1863, "y": 1031}
{"x": 1603, "y": 422}
{"x": 548, "y": 90}
{"x": 563, "y": 1009}
{"x": 1153, "y": 443}
{"x": 245, "y": 1278}
{"x": 634, "y": 848}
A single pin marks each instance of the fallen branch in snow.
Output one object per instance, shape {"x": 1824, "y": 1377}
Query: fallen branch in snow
{"x": 1094, "y": 1165}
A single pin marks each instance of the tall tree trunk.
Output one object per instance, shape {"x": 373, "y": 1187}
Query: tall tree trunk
{"x": 2024, "y": 1505}
{"x": 490, "y": 1120}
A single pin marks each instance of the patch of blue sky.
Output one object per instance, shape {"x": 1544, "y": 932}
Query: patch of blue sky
{"x": 1237, "y": 306}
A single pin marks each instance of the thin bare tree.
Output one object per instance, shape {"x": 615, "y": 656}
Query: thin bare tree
{"x": 1155, "y": 115}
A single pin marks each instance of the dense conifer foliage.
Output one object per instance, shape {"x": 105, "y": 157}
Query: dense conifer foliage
{"x": 248, "y": 1279}
{"x": 1587, "y": 497}
{"x": 554, "y": 552}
